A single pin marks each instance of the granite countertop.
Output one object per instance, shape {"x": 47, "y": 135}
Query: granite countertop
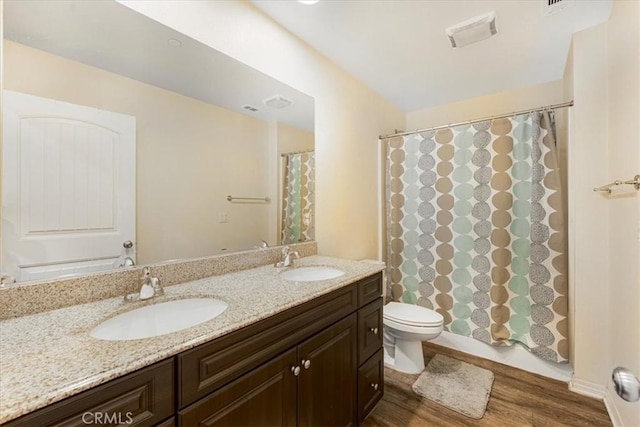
{"x": 49, "y": 356}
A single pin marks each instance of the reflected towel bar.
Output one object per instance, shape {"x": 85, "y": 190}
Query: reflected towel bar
{"x": 609, "y": 187}
{"x": 252, "y": 199}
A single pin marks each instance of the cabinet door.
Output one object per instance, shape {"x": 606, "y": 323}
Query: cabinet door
{"x": 265, "y": 396}
{"x": 327, "y": 387}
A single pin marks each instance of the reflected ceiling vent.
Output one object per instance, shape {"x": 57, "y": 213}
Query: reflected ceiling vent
{"x": 473, "y": 30}
{"x": 552, "y": 7}
{"x": 249, "y": 108}
{"x": 277, "y": 101}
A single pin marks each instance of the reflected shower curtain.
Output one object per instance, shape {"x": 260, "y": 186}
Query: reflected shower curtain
{"x": 298, "y": 198}
{"x": 475, "y": 230}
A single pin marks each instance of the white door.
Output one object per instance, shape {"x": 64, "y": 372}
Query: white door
{"x": 68, "y": 187}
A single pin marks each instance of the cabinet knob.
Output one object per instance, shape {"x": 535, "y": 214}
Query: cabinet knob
{"x": 374, "y": 330}
{"x": 306, "y": 363}
{"x": 295, "y": 370}
{"x": 374, "y": 386}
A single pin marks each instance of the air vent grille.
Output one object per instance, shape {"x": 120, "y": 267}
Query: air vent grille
{"x": 552, "y": 7}
{"x": 249, "y": 108}
{"x": 277, "y": 101}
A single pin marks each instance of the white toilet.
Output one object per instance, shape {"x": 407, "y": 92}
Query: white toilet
{"x": 405, "y": 327}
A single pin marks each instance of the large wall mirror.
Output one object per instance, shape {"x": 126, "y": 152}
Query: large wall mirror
{"x": 117, "y": 128}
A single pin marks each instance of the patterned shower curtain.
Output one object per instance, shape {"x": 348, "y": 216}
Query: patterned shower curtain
{"x": 475, "y": 230}
{"x": 298, "y": 198}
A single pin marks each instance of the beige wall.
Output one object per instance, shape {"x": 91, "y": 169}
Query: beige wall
{"x": 292, "y": 139}
{"x": 186, "y": 152}
{"x": 349, "y": 115}
{"x": 603, "y": 74}
{"x": 487, "y": 106}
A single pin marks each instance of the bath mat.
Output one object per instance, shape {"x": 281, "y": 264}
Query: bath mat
{"x": 459, "y": 386}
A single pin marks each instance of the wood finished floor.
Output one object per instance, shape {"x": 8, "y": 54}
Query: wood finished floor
{"x": 518, "y": 398}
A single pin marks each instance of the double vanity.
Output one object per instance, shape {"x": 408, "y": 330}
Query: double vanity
{"x": 281, "y": 346}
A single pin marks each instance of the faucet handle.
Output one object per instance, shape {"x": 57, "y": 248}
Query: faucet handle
{"x": 158, "y": 290}
{"x": 6, "y": 279}
{"x": 285, "y": 258}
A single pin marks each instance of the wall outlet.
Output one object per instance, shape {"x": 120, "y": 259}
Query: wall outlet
{"x": 223, "y": 217}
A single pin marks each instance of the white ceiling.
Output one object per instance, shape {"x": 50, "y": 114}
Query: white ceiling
{"x": 400, "y": 50}
{"x": 111, "y": 36}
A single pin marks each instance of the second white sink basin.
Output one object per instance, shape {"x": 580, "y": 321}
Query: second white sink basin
{"x": 159, "y": 319}
{"x": 311, "y": 274}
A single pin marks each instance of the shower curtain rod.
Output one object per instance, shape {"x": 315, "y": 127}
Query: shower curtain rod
{"x": 296, "y": 152}
{"x": 468, "y": 122}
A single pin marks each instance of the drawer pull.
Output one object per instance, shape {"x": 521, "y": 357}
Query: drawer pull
{"x": 374, "y": 386}
{"x": 374, "y": 330}
{"x": 306, "y": 363}
{"x": 295, "y": 370}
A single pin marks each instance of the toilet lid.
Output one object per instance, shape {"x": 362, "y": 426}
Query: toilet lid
{"x": 412, "y": 315}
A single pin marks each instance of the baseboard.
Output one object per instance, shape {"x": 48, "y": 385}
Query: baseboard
{"x": 597, "y": 391}
{"x": 612, "y": 409}
{"x": 587, "y": 388}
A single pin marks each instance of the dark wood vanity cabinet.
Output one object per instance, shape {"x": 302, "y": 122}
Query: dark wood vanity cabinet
{"x": 327, "y": 381}
{"x": 370, "y": 384}
{"x": 316, "y": 364}
{"x": 142, "y": 398}
{"x": 313, "y": 384}
{"x": 265, "y": 396}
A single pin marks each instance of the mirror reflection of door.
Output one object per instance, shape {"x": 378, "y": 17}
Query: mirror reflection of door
{"x": 68, "y": 199}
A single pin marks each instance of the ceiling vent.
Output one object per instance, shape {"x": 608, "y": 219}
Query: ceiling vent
{"x": 277, "y": 101}
{"x": 249, "y": 108}
{"x": 473, "y": 30}
{"x": 552, "y": 7}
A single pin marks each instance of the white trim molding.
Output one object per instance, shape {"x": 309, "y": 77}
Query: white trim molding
{"x": 598, "y": 391}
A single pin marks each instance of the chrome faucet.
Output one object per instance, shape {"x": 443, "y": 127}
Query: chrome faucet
{"x": 263, "y": 245}
{"x": 126, "y": 257}
{"x": 149, "y": 287}
{"x": 287, "y": 255}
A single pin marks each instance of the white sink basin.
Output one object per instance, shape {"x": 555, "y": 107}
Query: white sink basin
{"x": 159, "y": 319}
{"x": 311, "y": 274}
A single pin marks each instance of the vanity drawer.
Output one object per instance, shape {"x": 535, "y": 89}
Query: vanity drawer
{"x": 369, "y": 289}
{"x": 210, "y": 366}
{"x": 370, "y": 385}
{"x": 143, "y": 398}
{"x": 369, "y": 330}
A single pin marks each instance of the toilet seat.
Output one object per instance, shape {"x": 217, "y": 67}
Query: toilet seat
{"x": 412, "y": 315}
{"x": 406, "y": 327}
{"x": 399, "y": 328}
